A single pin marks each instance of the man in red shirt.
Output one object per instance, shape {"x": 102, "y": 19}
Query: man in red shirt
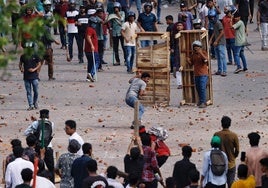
{"x": 91, "y": 49}
{"x": 229, "y": 32}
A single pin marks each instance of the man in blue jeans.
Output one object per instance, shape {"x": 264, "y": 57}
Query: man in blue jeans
{"x": 240, "y": 41}
{"x": 219, "y": 45}
{"x": 136, "y": 90}
{"x": 29, "y": 65}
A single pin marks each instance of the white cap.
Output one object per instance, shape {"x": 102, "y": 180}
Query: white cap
{"x": 91, "y": 11}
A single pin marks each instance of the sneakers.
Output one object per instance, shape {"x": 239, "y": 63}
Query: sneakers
{"x": 245, "y": 70}
{"x": 203, "y": 105}
{"x": 264, "y": 48}
{"x": 223, "y": 74}
{"x": 217, "y": 73}
{"x": 51, "y": 79}
{"x": 30, "y": 108}
{"x": 116, "y": 64}
{"x": 81, "y": 61}
{"x": 89, "y": 78}
{"x": 237, "y": 70}
{"x": 36, "y": 106}
{"x": 229, "y": 63}
{"x": 100, "y": 70}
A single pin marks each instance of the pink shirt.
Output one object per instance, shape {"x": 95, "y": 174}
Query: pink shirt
{"x": 253, "y": 157}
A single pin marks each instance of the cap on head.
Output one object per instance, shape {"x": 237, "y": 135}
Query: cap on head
{"x": 44, "y": 113}
{"x": 182, "y": 5}
{"x": 91, "y": 11}
{"x": 147, "y": 5}
{"x": 47, "y": 2}
{"x": 215, "y": 141}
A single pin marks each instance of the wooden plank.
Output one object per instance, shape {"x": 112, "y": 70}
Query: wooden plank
{"x": 189, "y": 92}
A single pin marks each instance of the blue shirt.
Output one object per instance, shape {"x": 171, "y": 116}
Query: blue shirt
{"x": 147, "y": 21}
{"x": 207, "y": 173}
{"x": 79, "y": 170}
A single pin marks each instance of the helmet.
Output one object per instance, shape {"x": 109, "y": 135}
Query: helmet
{"x": 99, "y": 5}
{"x": 231, "y": 9}
{"x": 71, "y": 1}
{"x": 91, "y": 11}
{"x": 182, "y": 5}
{"x": 82, "y": 6}
{"x": 131, "y": 13}
{"x": 212, "y": 13}
{"x": 22, "y": 2}
{"x": 196, "y": 43}
{"x": 117, "y": 5}
{"x": 47, "y": 2}
{"x": 148, "y": 5}
{"x": 196, "y": 21}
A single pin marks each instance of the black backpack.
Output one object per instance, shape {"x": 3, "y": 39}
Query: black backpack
{"x": 218, "y": 163}
{"x": 47, "y": 132}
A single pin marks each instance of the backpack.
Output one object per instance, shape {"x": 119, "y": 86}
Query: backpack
{"x": 159, "y": 132}
{"x": 47, "y": 132}
{"x": 218, "y": 163}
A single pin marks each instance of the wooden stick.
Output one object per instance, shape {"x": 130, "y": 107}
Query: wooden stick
{"x": 136, "y": 118}
{"x": 35, "y": 171}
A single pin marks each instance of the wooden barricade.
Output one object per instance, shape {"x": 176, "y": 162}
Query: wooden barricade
{"x": 186, "y": 38}
{"x": 155, "y": 59}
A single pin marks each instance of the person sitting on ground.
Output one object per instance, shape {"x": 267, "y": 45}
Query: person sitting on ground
{"x": 244, "y": 180}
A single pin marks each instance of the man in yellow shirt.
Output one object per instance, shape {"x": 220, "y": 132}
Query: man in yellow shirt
{"x": 244, "y": 180}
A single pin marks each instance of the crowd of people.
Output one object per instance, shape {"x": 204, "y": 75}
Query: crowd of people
{"x": 90, "y": 23}
{"x": 147, "y": 152}
{"x": 33, "y": 166}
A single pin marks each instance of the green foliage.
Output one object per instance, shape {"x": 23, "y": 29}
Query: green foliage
{"x": 36, "y": 28}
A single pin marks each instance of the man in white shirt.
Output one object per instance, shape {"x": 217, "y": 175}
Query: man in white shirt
{"x": 70, "y": 129}
{"x": 128, "y": 32}
{"x": 111, "y": 177}
{"x": 13, "y": 171}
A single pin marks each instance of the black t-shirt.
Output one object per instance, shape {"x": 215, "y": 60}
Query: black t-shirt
{"x": 95, "y": 182}
{"x": 263, "y": 8}
{"x": 134, "y": 166}
{"x": 83, "y": 19}
{"x": 243, "y": 7}
{"x": 264, "y": 181}
{"x": 23, "y": 186}
{"x": 29, "y": 62}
